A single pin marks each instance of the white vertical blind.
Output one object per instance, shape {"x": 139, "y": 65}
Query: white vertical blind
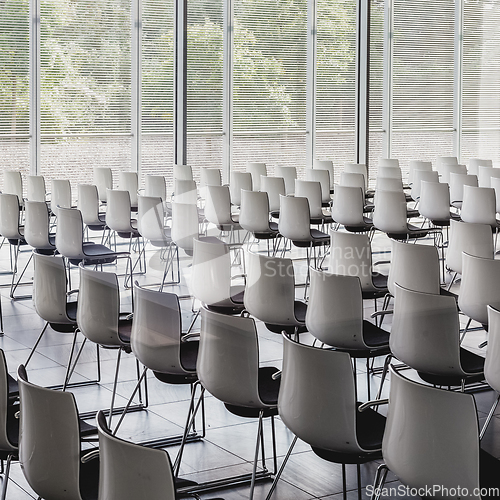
{"x": 85, "y": 97}
{"x": 269, "y": 82}
{"x": 481, "y": 82}
{"x": 423, "y": 72}
{"x": 335, "y": 80}
{"x": 157, "y": 56}
{"x": 204, "y": 84}
{"x": 14, "y": 85}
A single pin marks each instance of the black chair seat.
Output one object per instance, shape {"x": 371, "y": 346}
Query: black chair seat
{"x": 317, "y": 238}
{"x": 100, "y": 254}
{"x": 471, "y": 363}
{"x": 89, "y": 479}
{"x": 71, "y": 308}
{"x": 13, "y": 386}
{"x": 87, "y": 429}
{"x": 413, "y": 232}
{"x": 489, "y": 471}
{"x": 411, "y": 213}
{"x": 300, "y": 309}
{"x": 374, "y": 336}
{"x": 189, "y": 354}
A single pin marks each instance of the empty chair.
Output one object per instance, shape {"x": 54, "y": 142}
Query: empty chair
{"x": 274, "y": 187}
{"x": 256, "y": 170}
{"x": 388, "y": 184}
{"x": 479, "y": 206}
{"x": 435, "y": 203}
{"x": 483, "y": 175}
{"x": 183, "y": 172}
{"x": 228, "y": 368}
{"x": 318, "y": 388}
{"x": 218, "y": 209}
{"x": 446, "y": 458}
{"x": 209, "y": 177}
{"x": 495, "y": 184}
{"x": 118, "y": 214}
{"x": 211, "y": 277}
{"x": 312, "y": 191}
{"x": 351, "y": 255}
{"x": 323, "y": 177}
{"x": 270, "y": 293}
{"x": 457, "y": 183}
{"x": 185, "y": 226}
{"x": 445, "y": 160}
{"x": 357, "y": 168}
{"x": 36, "y": 188}
{"x": 425, "y": 335}
{"x": 479, "y": 287}
{"x": 388, "y": 162}
{"x": 154, "y": 185}
{"x": 88, "y": 204}
{"x": 60, "y": 195}
{"x": 129, "y": 181}
{"x": 418, "y": 177}
{"x": 390, "y": 172}
{"x": 239, "y": 181}
{"x": 13, "y": 184}
{"x": 50, "y": 444}
{"x": 475, "y": 163}
{"x": 289, "y": 174}
{"x": 475, "y": 239}
{"x": 103, "y": 179}
{"x": 449, "y": 168}
{"x": 185, "y": 191}
{"x": 351, "y": 179}
{"x": 417, "y": 165}
{"x": 326, "y": 165}
{"x": 37, "y": 227}
{"x": 348, "y": 209}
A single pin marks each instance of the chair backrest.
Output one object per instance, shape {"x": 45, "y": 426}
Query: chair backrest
{"x": 323, "y": 177}
{"x": 270, "y": 289}
{"x": 445, "y": 160}
{"x": 228, "y": 358}
{"x": 36, "y": 188}
{"x": 418, "y": 177}
{"x": 325, "y": 165}
{"x": 10, "y": 216}
{"x": 388, "y": 184}
{"x": 185, "y": 191}
{"x": 415, "y": 267}
{"x": 457, "y": 183}
{"x": 50, "y": 288}
{"x": 389, "y": 214}
{"x": 351, "y": 255}
{"x": 317, "y": 388}
{"x": 474, "y": 164}
{"x": 88, "y": 204}
{"x": 289, "y": 175}
{"x": 431, "y": 437}
{"x": 60, "y": 195}
{"x": 312, "y": 191}
{"x": 211, "y": 272}
{"x": 352, "y": 179}
{"x": 449, "y": 168}
{"x": 13, "y": 183}
{"x": 479, "y": 287}
{"x": 390, "y": 172}
{"x": 99, "y": 307}
{"x": 129, "y": 471}
{"x": 256, "y": 170}
{"x": 425, "y": 332}
{"x": 434, "y": 200}
{"x": 491, "y": 365}
{"x": 348, "y": 205}
{"x": 129, "y": 181}
{"x": 49, "y": 440}
{"x": 479, "y": 205}
{"x": 156, "y": 331}
{"x": 495, "y": 184}
{"x": 118, "y": 211}
{"x": 210, "y": 177}
{"x": 185, "y": 225}
{"x": 154, "y": 185}
{"x": 36, "y": 225}
{"x": 239, "y": 181}
{"x": 475, "y": 239}
{"x": 417, "y": 165}
{"x": 151, "y": 220}
{"x": 103, "y": 179}
{"x": 274, "y": 186}
{"x": 6, "y": 444}
{"x": 183, "y": 172}
{"x": 294, "y": 218}
{"x": 335, "y": 310}
{"x": 254, "y": 211}
{"x": 218, "y": 205}
{"x": 357, "y": 168}
{"x": 388, "y": 162}
{"x": 483, "y": 175}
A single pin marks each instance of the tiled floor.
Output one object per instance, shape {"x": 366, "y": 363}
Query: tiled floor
{"x": 229, "y": 443}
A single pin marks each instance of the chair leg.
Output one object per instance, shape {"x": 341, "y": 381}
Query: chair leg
{"x": 379, "y": 481}
{"x": 278, "y": 474}
{"x": 36, "y": 344}
{"x": 465, "y": 330}
{"x": 384, "y": 374}
{"x": 344, "y": 483}
{"x": 256, "y": 456}
{"x": 489, "y": 417}
{"x": 6, "y": 477}
{"x": 115, "y": 383}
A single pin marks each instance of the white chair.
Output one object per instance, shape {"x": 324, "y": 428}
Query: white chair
{"x": 185, "y": 191}
{"x": 274, "y": 187}
{"x": 323, "y": 177}
{"x": 495, "y": 184}
{"x": 417, "y": 165}
{"x": 483, "y": 175}
{"x": 434, "y": 203}
{"x": 88, "y": 204}
{"x": 457, "y": 183}
{"x": 479, "y": 206}
{"x": 37, "y": 227}
{"x": 129, "y": 181}
{"x": 418, "y": 177}
{"x": 352, "y": 179}
{"x": 289, "y": 174}
{"x": 13, "y": 184}
{"x": 449, "y": 168}
{"x": 348, "y": 209}
{"x": 390, "y": 172}
{"x": 256, "y": 170}
{"x": 475, "y": 163}
{"x": 183, "y": 172}
{"x": 103, "y": 179}
{"x": 326, "y": 165}
{"x": 357, "y": 168}
{"x": 36, "y": 188}
{"x": 209, "y": 177}
{"x": 388, "y": 162}
{"x": 445, "y": 160}
{"x": 218, "y": 210}
{"x": 239, "y": 181}
{"x": 312, "y": 191}
{"x": 60, "y": 195}
{"x": 155, "y": 185}
{"x": 185, "y": 226}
